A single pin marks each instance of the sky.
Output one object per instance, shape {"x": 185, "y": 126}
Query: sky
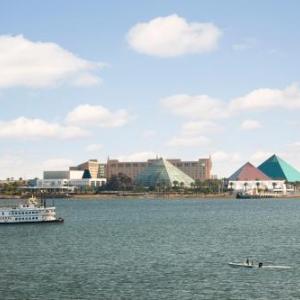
{"x": 133, "y": 80}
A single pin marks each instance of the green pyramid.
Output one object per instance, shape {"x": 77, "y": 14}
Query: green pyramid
{"x": 162, "y": 172}
{"x": 277, "y": 169}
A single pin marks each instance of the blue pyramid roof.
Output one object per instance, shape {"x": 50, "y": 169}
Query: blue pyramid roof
{"x": 278, "y": 169}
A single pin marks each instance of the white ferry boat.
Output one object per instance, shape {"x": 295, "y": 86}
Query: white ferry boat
{"x": 31, "y": 212}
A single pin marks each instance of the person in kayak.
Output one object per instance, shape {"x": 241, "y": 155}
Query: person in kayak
{"x": 260, "y": 265}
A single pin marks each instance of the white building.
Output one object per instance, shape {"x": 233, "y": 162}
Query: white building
{"x": 254, "y": 186}
{"x": 69, "y": 180}
{"x": 250, "y": 180}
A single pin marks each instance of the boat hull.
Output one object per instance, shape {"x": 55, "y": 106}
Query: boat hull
{"x": 59, "y": 220}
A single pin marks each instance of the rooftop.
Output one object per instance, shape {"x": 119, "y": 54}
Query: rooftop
{"x": 248, "y": 172}
{"x": 278, "y": 169}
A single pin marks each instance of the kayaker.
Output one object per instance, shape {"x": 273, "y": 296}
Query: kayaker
{"x": 260, "y": 264}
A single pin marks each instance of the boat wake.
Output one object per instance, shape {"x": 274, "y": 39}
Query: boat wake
{"x": 276, "y": 267}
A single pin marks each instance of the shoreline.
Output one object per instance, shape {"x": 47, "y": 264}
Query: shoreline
{"x": 144, "y": 196}
{"x": 177, "y": 197}
{"x": 149, "y": 196}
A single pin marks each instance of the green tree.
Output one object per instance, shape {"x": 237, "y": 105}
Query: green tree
{"x": 120, "y": 182}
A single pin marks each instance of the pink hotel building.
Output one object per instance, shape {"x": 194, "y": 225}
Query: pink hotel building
{"x": 198, "y": 170}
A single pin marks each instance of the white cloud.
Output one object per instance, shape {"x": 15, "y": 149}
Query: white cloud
{"x": 245, "y": 44}
{"x": 200, "y": 127}
{"x": 57, "y": 164}
{"x": 97, "y": 115}
{"x": 195, "y": 107}
{"x": 173, "y": 36}
{"x": 191, "y": 134}
{"x": 25, "y": 128}
{"x": 250, "y": 125}
{"x": 188, "y": 141}
{"x": 203, "y": 107}
{"x": 138, "y": 156}
{"x": 262, "y": 99}
{"x": 41, "y": 64}
{"x": 221, "y": 156}
{"x": 94, "y": 148}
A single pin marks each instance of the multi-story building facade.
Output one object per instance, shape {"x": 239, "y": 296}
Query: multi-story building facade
{"x": 97, "y": 170}
{"x": 198, "y": 170}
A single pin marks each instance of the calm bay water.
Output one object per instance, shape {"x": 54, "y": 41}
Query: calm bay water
{"x": 154, "y": 249}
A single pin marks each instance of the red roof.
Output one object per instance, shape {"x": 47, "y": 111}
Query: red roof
{"x": 248, "y": 172}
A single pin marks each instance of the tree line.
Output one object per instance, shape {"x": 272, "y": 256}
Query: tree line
{"x": 122, "y": 182}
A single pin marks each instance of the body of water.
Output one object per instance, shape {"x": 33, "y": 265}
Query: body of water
{"x": 154, "y": 249}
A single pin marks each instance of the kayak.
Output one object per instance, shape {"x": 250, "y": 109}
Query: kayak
{"x": 250, "y": 266}
{"x": 241, "y": 265}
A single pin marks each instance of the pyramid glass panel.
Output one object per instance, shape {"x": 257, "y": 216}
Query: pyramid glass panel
{"x": 278, "y": 169}
{"x": 86, "y": 174}
{"x": 162, "y": 172}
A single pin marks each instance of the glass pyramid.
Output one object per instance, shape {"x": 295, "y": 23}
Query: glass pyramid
{"x": 278, "y": 169}
{"x": 162, "y": 173}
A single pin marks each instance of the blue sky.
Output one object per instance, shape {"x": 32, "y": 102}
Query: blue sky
{"x": 136, "y": 79}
